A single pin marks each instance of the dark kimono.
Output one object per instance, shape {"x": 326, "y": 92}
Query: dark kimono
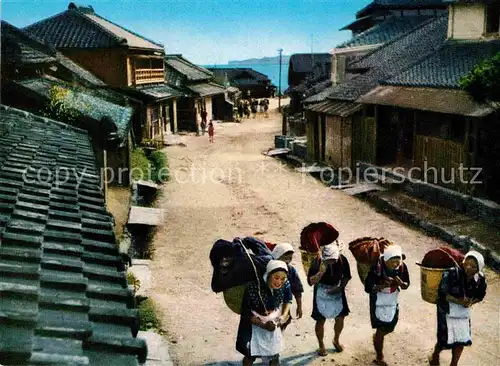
{"x": 296, "y": 287}
{"x": 376, "y": 276}
{"x": 334, "y": 274}
{"x": 454, "y": 283}
{"x": 273, "y": 299}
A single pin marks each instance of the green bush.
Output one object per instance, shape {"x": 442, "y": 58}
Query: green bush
{"x": 147, "y": 316}
{"x": 140, "y": 165}
{"x": 160, "y": 171}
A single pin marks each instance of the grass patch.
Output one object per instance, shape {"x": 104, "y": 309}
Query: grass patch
{"x": 132, "y": 280}
{"x": 147, "y": 316}
{"x": 153, "y": 166}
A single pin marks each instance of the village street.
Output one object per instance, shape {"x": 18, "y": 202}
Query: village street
{"x": 245, "y": 193}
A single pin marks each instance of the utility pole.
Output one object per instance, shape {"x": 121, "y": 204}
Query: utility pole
{"x": 279, "y": 86}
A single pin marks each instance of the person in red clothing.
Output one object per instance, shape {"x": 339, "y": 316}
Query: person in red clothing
{"x": 211, "y": 131}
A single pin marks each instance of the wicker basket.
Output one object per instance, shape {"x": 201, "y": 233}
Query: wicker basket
{"x": 307, "y": 259}
{"x": 234, "y": 297}
{"x": 363, "y": 270}
{"x": 430, "y": 278}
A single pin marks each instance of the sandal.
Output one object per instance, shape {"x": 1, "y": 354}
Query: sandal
{"x": 380, "y": 362}
{"x": 431, "y": 363}
{"x": 338, "y": 347}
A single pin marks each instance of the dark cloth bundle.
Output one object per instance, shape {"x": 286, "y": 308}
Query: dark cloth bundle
{"x": 367, "y": 250}
{"x": 231, "y": 264}
{"x": 316, "y": 235}
{"x": 442, "y": 257}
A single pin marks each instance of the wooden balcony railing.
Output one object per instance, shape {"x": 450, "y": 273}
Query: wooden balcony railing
{"x": 146, "y": 76}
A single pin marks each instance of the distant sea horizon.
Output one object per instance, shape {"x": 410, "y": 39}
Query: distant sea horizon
{"x": 271, "y": 70}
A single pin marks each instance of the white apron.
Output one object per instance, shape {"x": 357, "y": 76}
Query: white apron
{"x": 265, "y": 343}
{"x": 386, "y": 305}
{"x": 329, "y": 305}
{"x": 458, "y": 324}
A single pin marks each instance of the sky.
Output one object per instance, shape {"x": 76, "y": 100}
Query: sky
{"x": 214, "y": 31}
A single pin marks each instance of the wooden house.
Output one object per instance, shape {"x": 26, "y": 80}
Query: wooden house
{"x": 121, "y": 58}
{"x": 251, "y": 83}
{"x": 424, "y": 120}
{"x": 39, "y": 79}
{"x": 200, "y": 92}
{"x": 341, "y": 131}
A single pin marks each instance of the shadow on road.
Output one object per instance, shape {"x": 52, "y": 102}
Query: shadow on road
{"x": 298, "y": 360}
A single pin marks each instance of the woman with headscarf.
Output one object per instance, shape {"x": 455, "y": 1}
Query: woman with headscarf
{"x": 384, "y": 282}
{"x": 460, "y": 288}
{"x": 266, "y": 305}
{"x": 329, "y": 275}
{"x": 284, "y": 252}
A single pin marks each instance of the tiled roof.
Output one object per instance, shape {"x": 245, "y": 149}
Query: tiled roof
{"x": 445, "y": 67}
{"x": 234, "y": 73}
{"x": 385, "y": 31}
{"x": 206, "y": 89}
{"x": 393, "y": 57}
{"x": 22, "y": 47}
{"x": 401, "y": 4}
{"x": 159, "y": 91}
{"x": 90, "y": 106}
{"x": 191, "y": 71}
{"x": 83, "y": 28}
{"x": 323, "y": 90}
{"x": 335, "y": 108}
{"x": 64, "y": 296}
{"x": 303, "y": 62}
{"x": 26, "y": 48}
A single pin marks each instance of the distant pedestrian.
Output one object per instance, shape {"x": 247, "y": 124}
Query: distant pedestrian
{"x": 204, "y": 116}
{"x": 253, "y": 107}
{"x": 203, "y": 127}
{"x": 247, "y": 110}
{"x": 266, "y": 107}
{"x": 240, "y": 109}
{"x": 211, "y": 131}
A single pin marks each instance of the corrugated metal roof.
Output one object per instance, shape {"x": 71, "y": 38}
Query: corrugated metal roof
{"x": 64, "y": 297}
{"x": 449, "y": 101}
{"x": 333, "y": 108}
{"x": 206, "y": 89}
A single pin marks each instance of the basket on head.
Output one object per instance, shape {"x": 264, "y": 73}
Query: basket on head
{"x": 234, "y": 297}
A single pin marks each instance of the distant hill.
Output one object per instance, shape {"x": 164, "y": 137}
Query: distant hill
{"x": 262, "y": 61}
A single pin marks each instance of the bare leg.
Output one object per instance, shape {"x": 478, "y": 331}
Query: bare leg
{"x": 456, "y": 352}
{"x": 339, "y": 325}
{"x": 275, "y": 361}
{"x": 434, "y": 358}
{"x": 320, "y": 334}
{"x": 378, "y": 343}
{"x": 247, "y": 361}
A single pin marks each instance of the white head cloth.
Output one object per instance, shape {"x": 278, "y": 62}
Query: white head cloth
{"x": 480, "y": 263}
{"x": 392, "y": 251}
{"x": 281, "y": 249}
{"x": 273, "y": 265}
{"x": 330, "y": 251}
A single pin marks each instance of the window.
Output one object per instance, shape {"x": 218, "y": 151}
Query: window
{"x": 492, "y": 18}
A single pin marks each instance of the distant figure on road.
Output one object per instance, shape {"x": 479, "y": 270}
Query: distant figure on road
{"x": 266, "y": 107}
{"x": 204, "y": 116}
{"x": 246, "y": 109}
{"x": 384, "y": 282}
{"x": 203, "y": 125}
{"x": 211, "y": 131}
{"x": 460, "y": 288}
{"x": 254, "y": 105}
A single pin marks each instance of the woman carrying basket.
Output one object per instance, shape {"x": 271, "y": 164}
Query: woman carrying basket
{"x": 266, "y": 305}
{"x": 329, "y": 275}
{"x": 384, "y": 282}
{"x": 460, "y": 288}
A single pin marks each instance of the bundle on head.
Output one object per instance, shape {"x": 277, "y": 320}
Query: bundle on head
{"x": 367, "y": 250}
{"x": 442, "y": 257}
{"x": 316, "y": 235}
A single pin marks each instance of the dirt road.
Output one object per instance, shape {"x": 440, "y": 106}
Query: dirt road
{"x": 229, "y": 189}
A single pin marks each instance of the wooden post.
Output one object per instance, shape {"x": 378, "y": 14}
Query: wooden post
{"x": 105, "y": 176}
{"x": 414, "y": 137}
{"x": 175, "y": 115}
